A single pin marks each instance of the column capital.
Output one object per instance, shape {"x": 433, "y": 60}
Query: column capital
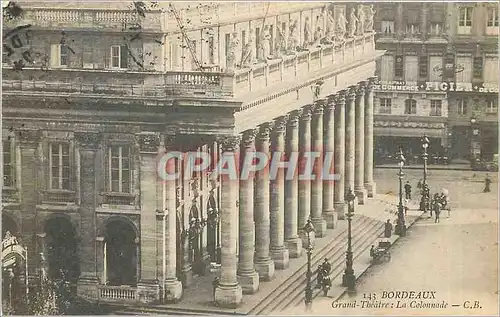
{"x": 351, "y": 93}
{"x": 280, "y": 124}
{"x": 149, "y": 142}
{"x": 230, "y": 143}
{"x": 318, "y": 107}
{"x": 306, "y": 112}
{"x": 29, "y": 137}
{"x": 293, "y": 117}
{"x": 248, "y": 137}
{"x": 360, "y": 90}
{"x": 340, "y": 97}
{"x": 88, "y": 140}
{"x": 265, "y": 130}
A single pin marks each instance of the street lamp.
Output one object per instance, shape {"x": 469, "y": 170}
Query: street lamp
{"x": 308, "y": 229}
{"x": 425, "y": 156}
{"x": 400, "y": 226}
{"x": 349, "y": 279}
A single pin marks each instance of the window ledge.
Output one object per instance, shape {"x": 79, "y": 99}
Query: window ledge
{"x": 117, "y": 194}
{"x": 60, "y": 191}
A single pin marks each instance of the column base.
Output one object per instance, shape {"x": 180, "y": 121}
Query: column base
{"x": 187, "y": 276}
{"x": 88, "y": 287}
{"x": 249, "y": 282}
{"x": 148, "y": 291}
{"x": 330, "y": 217}
{"x": 280, "y": 257}
{"x": 361, "y": 195}
{"x": 228, "y": 296}
{"x": 173, "y": 291}
{"x": 305, "y": 239}
{"x": 294, "y": 246}
{"x": 371, "y": 188}
{"x": 265, "y": 269}
{"x": 319, "y": 227}
{"x": 340, "y": 209}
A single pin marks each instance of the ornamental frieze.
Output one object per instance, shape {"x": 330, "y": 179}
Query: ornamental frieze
{"x": 409, "y": 124}
{"x": 149, "y": 142}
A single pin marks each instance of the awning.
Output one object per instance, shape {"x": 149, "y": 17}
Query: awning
{"x": 409, "y": 132}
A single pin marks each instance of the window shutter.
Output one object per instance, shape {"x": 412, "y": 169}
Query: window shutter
{"x": 55, "y": 55}
{"x": 411, "y": 68}
{"x": 491, "y": 70}
{"x": 123, "y": 56}
{"x": 386, "y": 71}
{"x": 464, "y": 63}
{"x": 435, "y": 68}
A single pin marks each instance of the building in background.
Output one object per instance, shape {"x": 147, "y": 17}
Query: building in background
{"x": 439, "y": 77}
{"x": 94, "y": 92}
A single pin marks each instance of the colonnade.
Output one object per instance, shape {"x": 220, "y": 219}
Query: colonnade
{"x": 271, "y": 211}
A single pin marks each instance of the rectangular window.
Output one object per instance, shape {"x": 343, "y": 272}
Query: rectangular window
{"x": 59, "y": 55}
{"x": 449, "y": 67}
{"x": 436, "y": 29}
{"x": 385, "y": 106}
{"x": 478, "y": 67}
{"x": 411, "y": 68}
{"x": 462, "y": 107}
{"x": 174, "y": 55}
{"x": 60, "y": 169}
{"x": 387, "y": 68}
{"x": 413, "y": 28}
{"x": 491, "y": 70}
{"x": 410, "y": 106}
{"x": 88, "y": 56}
{"x": 119, "y": 176}
{"x": 465, "y": 16}
{"x": 492, "y": 106}
{"x": 398, "y": 67}
{"x": 387, "y": 27}
{"x": 492, "y": 16}
{"x": 119, "y": 56}
{"x": 435, "y": 68}
{"x": 423, "y": 66}
{"x": 463, "y": 69}
{"x": 8, "y": 166}
{"x": 436, "y": 107}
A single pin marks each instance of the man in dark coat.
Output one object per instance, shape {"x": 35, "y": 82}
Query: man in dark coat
{"x": 407, "y": 190}
{"x": 388, "y": 229}
{"x": 487, "y": 183}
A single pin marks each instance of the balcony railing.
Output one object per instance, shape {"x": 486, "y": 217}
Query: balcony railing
{"x": 242, "y": 83}
{"x": 118, "y": 293}
{"x": 87, "y": 18}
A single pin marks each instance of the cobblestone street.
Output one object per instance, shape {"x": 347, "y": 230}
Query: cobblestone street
{"x": 456, "y": 258}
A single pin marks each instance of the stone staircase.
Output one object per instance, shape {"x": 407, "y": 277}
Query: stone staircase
{"x": 287, "y": 288}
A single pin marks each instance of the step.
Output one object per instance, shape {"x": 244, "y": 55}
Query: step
{"x": 337, "y": 258}
{"x": 284, "y": 293}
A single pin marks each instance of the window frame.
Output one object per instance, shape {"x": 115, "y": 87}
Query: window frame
{"x": 462, "y": 106}
{"x": 385, "y": 106}
{"x": 412, "y": 28}
{"x": 492, "y": 17}
{"x": 423, "y": 68}
{"x": 109, "y": 169}
{"x": 122, "y": 62}
{"x": 491, "y": 106}
{"x": 60, "y": 165}
{"x": 391, "y": 27}
{"x": 467, "y": 21}
{"x": 410, "y": 106}
{"x": 399, "y": 71}
{"x": 434, "y": 108}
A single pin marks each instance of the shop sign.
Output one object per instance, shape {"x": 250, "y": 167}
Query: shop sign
{"x": 448, "y": 86}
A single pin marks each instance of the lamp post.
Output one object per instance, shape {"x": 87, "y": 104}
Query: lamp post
{"x": 400, "y": 226}
{"x": 425, "y": 156}
{"x": 349, "y": 279}
{"x": 308, "y": 229}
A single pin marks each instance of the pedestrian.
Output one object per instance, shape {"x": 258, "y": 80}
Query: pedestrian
{"x": 407, "y": 190}
{"x": 372, "y": 251}
{"x": 436, "y": 206}
{"x": 405, "y": 206}
{"x": 419, "y": 184}
{"x": 319, "y": 276}
{"x": 215, "y": 283}
{"x": 388, "y": 229}
{"x": 487, "y": 183}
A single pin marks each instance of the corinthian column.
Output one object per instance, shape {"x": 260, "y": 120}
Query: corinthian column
{"x": 350, "y": 139}
{"x": 359, "y": 186}
{"x": 369, "y": 182}
{"x": 339, "y": 160}
{"x": 304, "y": 183}
{"x": 247, "y": 276}
{"x": 329, "y": 149}
{"x": 292, "y": 240}
{"x": 263, "y": 263}
{"x": 228, "y": 292}
{"x": 279, "y": 253}
{"x": 317, "y": 180}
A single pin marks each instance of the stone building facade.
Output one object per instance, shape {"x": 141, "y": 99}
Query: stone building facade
{"x": 439, "y": 77}
{"x": 94, "y": 95}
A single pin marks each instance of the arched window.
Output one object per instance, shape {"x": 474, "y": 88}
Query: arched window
{"x": 410, "y": 106}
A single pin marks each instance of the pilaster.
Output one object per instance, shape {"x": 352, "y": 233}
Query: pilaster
{"x": 339, "y": 159}
{"x": 359, "y": 187}
{"x": 329, "y": 149}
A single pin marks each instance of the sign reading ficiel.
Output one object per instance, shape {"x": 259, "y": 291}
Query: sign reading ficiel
{"x": 434, "y": 86}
